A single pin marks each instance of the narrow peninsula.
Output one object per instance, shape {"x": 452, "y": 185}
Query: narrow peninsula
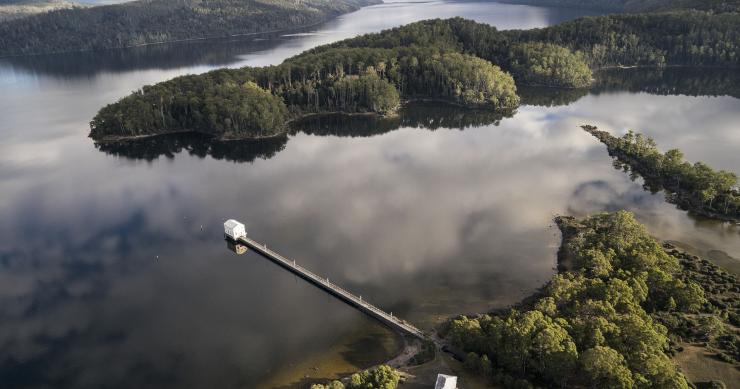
{"x": 694, "y": 187}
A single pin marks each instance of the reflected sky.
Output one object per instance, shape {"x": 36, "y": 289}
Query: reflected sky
{"x": 113, "y": 268}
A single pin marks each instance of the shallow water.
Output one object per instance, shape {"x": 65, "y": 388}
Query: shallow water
{"x": 113, "y": 268}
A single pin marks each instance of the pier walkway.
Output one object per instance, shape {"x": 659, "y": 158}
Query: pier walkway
{"x": 388, "y": 319}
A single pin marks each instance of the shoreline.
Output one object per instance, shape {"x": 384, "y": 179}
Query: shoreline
{"x": 184, "y": 40}
{"x": 287, "y": 130}
{"x": 690, "y": 346}
{"x": 679, "y": 199}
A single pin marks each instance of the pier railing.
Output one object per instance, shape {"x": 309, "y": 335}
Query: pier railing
{"x": 336, "y": 290}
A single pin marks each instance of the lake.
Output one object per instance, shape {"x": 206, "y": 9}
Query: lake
{"x": 113, "y": 268}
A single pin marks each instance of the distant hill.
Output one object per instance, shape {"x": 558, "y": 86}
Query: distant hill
{"x": 26, "y": 2}
{"x": 639, "y": 5}
{"x": 15, "y": 9}
{"x": 154, "y": 21}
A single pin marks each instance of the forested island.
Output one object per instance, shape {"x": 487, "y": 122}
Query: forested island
{"x": 620, "y": 307}
{"x": 455, "y": 60}
{"x": 143, "y": 22}
{"x": 695, "y": 187}
{"x": 259, "y": 102}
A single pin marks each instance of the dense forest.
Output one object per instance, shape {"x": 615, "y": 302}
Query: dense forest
{"x": 689, "y": 38}
{"x": 455, "y": 60}
{"x": 258, "y": 102}
{"x": 612, "y": 317}
{"x": 153, "y": 21}
{"x": 696, "y": 187}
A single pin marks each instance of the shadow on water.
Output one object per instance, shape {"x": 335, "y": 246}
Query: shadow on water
{"x": 550, "y": 97}
{"x": 675, "y": 81}
{"x": 430, "y": 116}
{"x": 664, "y": 82}
{"x": 207, "y": 52}
{"x": 426, "y": 115}
{"x": 433, "y": 115}
{"x": 236, "y": 248}
{"x": 199, "y": 145}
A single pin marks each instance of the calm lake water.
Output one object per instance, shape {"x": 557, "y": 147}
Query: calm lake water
{"x": 113, "y": 268}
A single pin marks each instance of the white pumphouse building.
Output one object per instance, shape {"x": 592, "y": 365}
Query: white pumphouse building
{"x": 234, "y": 230}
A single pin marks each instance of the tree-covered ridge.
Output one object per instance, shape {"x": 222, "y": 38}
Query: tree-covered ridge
{"x": 258, "y": 102}
{"x": 152, "y": 21}
{"x": 696, "y": 187}
{"x": 596, "y": 323}
{"x": 529, "y": 62}
{"x": 689, "y": 38}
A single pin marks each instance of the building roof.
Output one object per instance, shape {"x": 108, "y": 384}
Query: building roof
{"x": 231, "y": 223}
{"x": 445, "y": 381}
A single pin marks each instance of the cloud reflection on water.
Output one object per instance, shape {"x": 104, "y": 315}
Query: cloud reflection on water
{"x": 106, "y": 278}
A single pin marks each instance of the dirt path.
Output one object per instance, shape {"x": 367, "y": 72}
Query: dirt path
{"x": 699, "y": 366}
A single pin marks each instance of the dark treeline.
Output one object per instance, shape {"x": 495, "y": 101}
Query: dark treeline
{"x": 695, "y": 187}
{"x": 551, "y": 97}
{"x": 153, "y": 21}
{"x": 620, "y": 306}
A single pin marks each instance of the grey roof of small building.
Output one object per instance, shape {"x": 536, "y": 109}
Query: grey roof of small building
{"x": 231, "y": 223}
{"x": 442, "y": 381}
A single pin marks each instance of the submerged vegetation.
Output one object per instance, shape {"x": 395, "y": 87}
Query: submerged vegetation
{"x": 611, "y": 318}
{"x": 695, "y": 187}
{"x": 455, "y": 60}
